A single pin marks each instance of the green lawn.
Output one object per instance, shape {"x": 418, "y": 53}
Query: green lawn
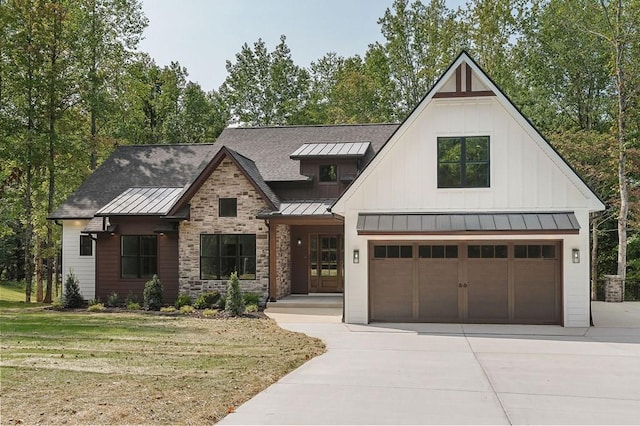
{"x": 12, "y": 291}
{"x": 115, "y": 368}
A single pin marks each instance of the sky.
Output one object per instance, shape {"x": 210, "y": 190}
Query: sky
{"x": 203, "y": 34}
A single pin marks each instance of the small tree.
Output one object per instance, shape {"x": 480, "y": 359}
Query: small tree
{"x": 153, "y": 294}
{"x": 72, "y": 297}
{"x": 234, "y": 303}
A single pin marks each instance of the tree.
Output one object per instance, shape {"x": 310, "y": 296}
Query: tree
{"x": 564, "y": 79}
{"x": 420, "y": 42}
{"x": 234, "y": 303}
{"x": 617, "y": 24}
{"x": 108, "y": 31}
{"x": 265, "y": 88}
{"x": 202, "y": 116}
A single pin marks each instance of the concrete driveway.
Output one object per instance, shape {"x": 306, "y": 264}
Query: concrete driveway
{"x": 459, "y": 374}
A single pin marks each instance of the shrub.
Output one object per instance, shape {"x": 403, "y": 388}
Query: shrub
{"x": 210, "y": 312}
{"x": 94, "y": 301}
{"x": 113, "y": 300}
{"x": 153, "y": 294}
{"x": 72, "y": 297}
{"x": 133, "y": 306}
{"x": 96, "y": 308}
{"x": 207, "y": 299}
{"x": 234, "y": 303}
{"x": 183, "y": 300}
{"x": 131, "y": 298}
{"x": 57, "y": 305}
{"x": 252, "y": 308}
{"x": 167, "y": 309}
{"x": 186, "y": 309}
{"x": 251, "y": 298}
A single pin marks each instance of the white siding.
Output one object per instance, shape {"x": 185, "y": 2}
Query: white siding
{"x": 524, "y": 177}
{"x": 83, "y": 266}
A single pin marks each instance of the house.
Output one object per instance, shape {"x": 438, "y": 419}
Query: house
{"x": 462, "y": 213}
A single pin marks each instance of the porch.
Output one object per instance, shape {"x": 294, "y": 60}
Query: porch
{"x": 311, "y": 304}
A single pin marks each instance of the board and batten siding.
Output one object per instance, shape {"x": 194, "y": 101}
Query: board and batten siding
{"x": 84, "y": 267}
{"x": 525, "y": 175}
{"x": 109, "y": 258}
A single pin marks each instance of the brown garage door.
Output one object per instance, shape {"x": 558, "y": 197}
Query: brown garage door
{"x": 477, "y": 282}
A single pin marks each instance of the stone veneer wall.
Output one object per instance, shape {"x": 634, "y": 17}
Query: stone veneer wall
{"x": 226, "y": 181}
{"x": 283, "y": 261}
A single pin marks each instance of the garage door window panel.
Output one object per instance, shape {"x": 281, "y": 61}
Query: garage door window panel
{"x": 392, "y": 252}
{"x": 438, "y": 252}
{"x": 535, "y": 251}
{"x": 488, "y": 251}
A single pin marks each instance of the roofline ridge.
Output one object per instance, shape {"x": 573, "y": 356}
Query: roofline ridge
{"x": 293, "y": 126}
{"x": 143, "y": 145}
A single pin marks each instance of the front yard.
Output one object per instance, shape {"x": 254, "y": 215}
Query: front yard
{"x": 137, "y": 368}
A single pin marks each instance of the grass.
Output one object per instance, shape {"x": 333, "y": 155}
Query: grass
{"x": 138, "y": 368}
{"x": 12, "y": 291}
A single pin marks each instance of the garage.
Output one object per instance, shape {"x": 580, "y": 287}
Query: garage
{"x": 512, "y": 282}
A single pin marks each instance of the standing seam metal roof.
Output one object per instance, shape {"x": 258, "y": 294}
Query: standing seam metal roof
{"x": 462, "y": 222}
{"x": 345, "y": 150}
{"x": 142, "y": 201}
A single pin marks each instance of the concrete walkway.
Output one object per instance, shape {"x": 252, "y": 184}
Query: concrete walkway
{"x": 459, "y": 374}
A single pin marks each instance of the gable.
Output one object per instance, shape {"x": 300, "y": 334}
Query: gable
{"x": 526, "y": 173}
{"x": 236, "y": 171}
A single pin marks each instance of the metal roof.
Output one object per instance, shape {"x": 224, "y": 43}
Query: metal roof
{"x": 438, "y": 223}
{"x": 142, "y": 201}
{"x": 301, "y": 208}
{"x": 343, "y": 149}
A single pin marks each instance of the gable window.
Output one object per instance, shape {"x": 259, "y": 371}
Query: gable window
{"x": 138, "y": 256}
{"x": 222, "y": 254}
{"x": 228, "y": 207}
{"x": 328, "y": 173}
{"x": 463, "y": 162}
{"x": 86, "y": 245}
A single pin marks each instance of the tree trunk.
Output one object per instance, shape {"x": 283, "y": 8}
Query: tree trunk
{"x": 93, "y": 77}
{"x": 39, "y": 292}
{"x": 622, "y": 152}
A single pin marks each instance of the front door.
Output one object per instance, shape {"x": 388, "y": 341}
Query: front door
{"x": 325, "y": 263}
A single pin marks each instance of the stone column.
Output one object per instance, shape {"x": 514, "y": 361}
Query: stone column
{"x": 613, "y": 289}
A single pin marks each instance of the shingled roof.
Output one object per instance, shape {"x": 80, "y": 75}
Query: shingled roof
{"x": 136, "y": 166}
{"x": 270, "y": 147}
{"x": 263, "y": 152}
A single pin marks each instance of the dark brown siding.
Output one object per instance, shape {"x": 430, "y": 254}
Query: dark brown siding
{"x": 315, "y": 189}
{"x": 108, "y": 260}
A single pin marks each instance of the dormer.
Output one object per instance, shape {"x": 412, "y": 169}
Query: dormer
{"x": 332, "y": 166}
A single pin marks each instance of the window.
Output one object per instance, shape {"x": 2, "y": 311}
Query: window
{"x": 488, "y": 252}
{"x": 222, "y": 254}
{"x": 535, "y": 251}
{"x": 228, "y": 207}
{"x": 329, "y": 173}
{"x": 138, "y": 256}
{"x": 86, "y": 245}
{"x": 438, "y": 252}
{"x": 463, "y": 162}
{"x": 393, "y": 252}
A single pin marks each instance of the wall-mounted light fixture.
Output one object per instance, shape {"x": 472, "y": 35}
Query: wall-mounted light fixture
{"x": 356, "y": 256}
{"x": 575, "y": 255}
{"x": 299, "y": 242}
